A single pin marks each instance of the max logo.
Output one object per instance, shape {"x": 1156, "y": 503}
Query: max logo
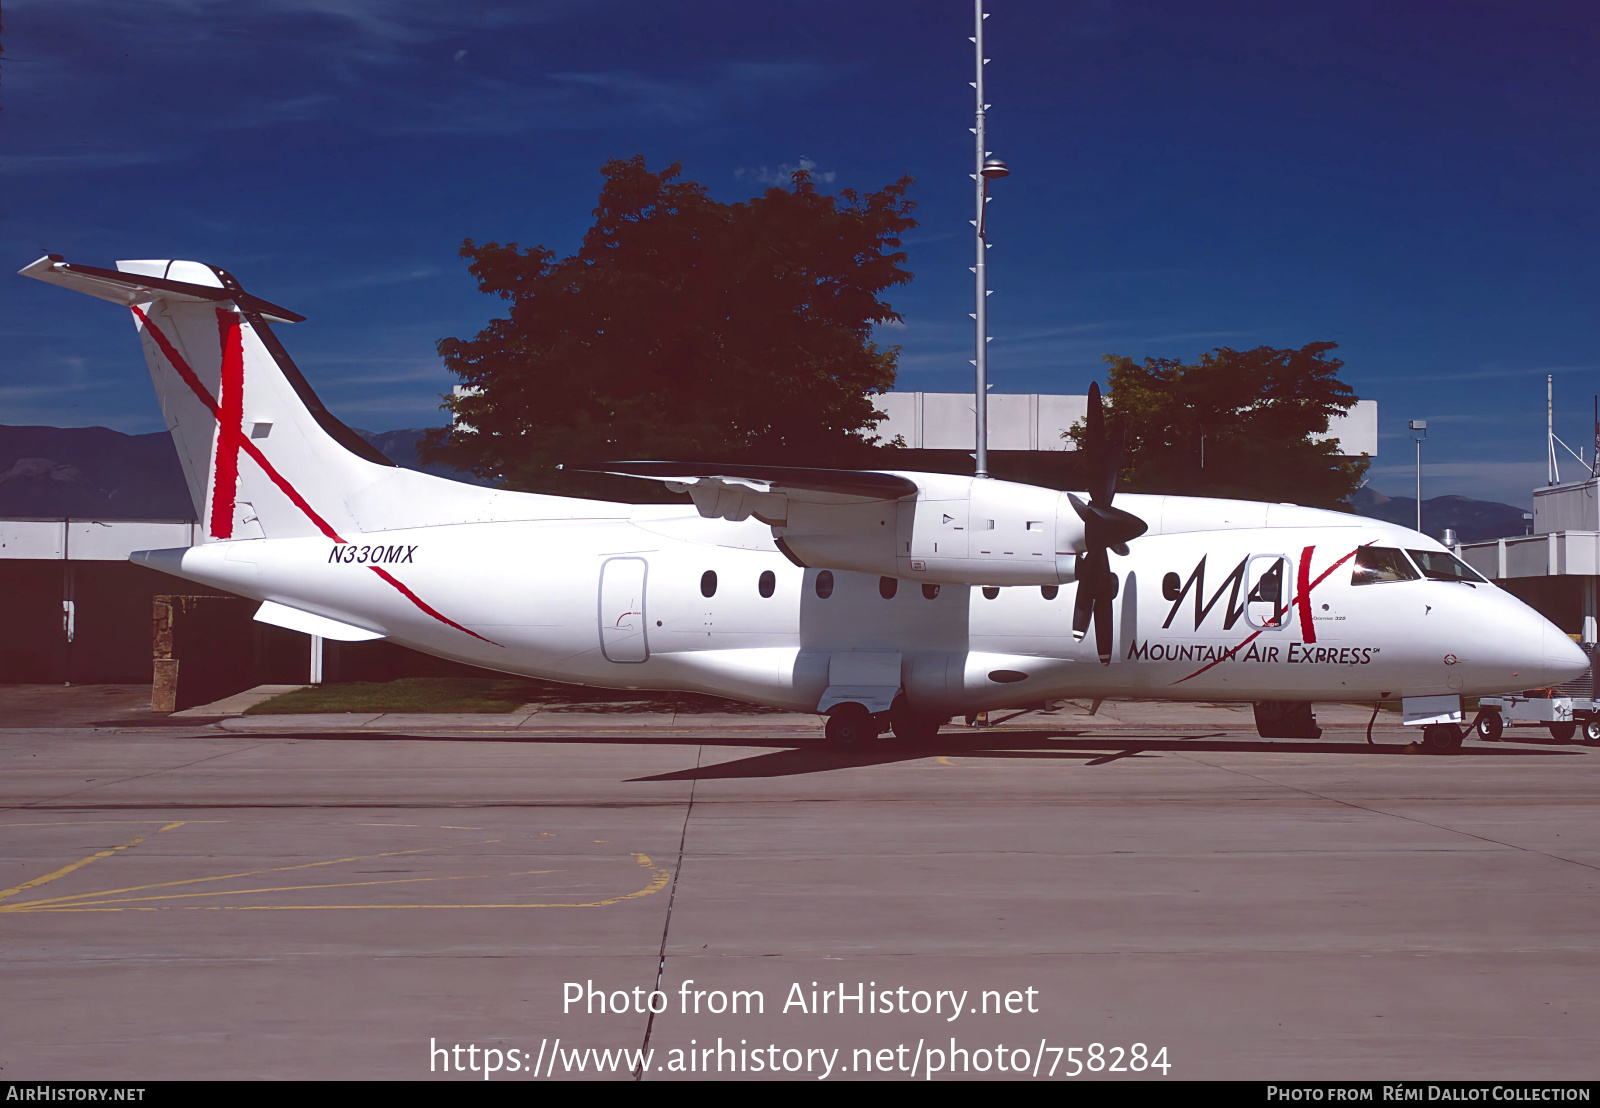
{"x": 1268, "y": 589}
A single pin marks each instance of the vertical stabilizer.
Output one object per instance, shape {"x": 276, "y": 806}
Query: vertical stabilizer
{"x": 262, "y": 456}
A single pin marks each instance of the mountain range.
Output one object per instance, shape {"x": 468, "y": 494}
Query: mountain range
{"x": 97, "y": 473}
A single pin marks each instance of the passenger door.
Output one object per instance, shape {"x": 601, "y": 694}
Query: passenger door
{"x": 1268, "y": 580}
{"x": 623, "y": 636}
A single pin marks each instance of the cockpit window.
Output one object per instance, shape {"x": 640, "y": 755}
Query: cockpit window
{"x": 1436, "y": 565}
{"x": 1378, "y": 564}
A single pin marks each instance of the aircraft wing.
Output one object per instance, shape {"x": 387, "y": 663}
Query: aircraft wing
{"x": 931, "y": 527}
{"x": 737, "y": 492}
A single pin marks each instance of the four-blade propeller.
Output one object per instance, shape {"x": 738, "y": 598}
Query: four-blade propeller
{"x": 1104, "y": 529}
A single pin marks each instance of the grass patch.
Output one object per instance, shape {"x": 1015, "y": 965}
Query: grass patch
{"x": 480, "y": 694}
{"x": 407, "y": 694}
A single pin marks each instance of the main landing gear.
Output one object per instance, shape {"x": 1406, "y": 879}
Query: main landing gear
{"x": 853, "y": 724}
{"x": 1442, "y": 738}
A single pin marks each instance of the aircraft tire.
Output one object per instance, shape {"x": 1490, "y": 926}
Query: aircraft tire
{"x": 850, "y": 725}
{"x": 1563, "y": 732}
{"x": 1441, "y": 738}
{"x": 1490, "y": 727}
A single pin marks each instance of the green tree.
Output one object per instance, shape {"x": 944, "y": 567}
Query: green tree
{"x": 683, "y": 328}
{"x": 1236, "y": 423}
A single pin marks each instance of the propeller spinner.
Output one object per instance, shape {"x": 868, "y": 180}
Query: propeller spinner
{"x": 1104, "y": 529}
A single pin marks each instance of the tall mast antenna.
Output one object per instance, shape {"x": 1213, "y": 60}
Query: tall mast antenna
{"x": 986, "y": 169}
{"x": 1550, "y": 427}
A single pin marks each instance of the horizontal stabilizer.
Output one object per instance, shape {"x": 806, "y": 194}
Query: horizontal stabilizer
{"x": 281, "y": 615}
{"x": 139, "y": 288}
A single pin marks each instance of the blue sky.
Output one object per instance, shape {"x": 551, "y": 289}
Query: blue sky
{"x": 1416, "y": 182}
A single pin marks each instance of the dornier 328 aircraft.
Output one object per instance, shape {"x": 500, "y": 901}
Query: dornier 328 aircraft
{"x": 881, "y": 599}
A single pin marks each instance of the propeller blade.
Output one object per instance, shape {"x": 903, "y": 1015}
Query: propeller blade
{"x": 1111, "y": 464}
{"x": 1107, "y": 526}
{"x": 1094, "y": 444}
{"x": 1094, "y": 578}
{"x": 1082, "y": 609}
{"x": 1102, "y": 627}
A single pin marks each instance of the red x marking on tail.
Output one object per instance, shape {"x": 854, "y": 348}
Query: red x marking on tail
{"x": 231, "y": 441}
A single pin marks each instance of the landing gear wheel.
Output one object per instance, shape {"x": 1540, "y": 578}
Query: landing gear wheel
{"x": 1591, "y": 730}
{"x": 1441, "y": 738}
{"x": 1563, "y": 732}
{"x": 1490, "y": 727}
{"x": 851, "y": 725}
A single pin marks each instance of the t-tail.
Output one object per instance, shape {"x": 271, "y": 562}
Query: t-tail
{"x": 261, "y": 455}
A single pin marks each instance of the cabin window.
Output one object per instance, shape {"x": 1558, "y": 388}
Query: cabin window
{"x": 887, "y": 587}
{"x": 824, "y": 584}
{"x": 930, "y": 591}
{"x": 990, "y": 592}
{"x": 1049, "y": 592}
{"x": 767, "y": 582}
{"x": 1436, "y": 565}
{"x": 708, "y": 583}
{"x": 1376, "y": 565}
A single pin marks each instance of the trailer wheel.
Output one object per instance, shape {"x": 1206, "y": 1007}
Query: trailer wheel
{"x": 1563, "y": 732}
{"x": 1490, "y": 727}
{"x": 1591, "y": 730}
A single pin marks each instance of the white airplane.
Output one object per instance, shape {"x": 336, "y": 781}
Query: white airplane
{"x": 880, "y": 599}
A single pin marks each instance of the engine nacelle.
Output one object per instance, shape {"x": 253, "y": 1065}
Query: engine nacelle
{"x": 954, "y": 531}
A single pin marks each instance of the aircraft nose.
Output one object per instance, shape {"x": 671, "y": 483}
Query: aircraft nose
{"x": 1564, "y": 660}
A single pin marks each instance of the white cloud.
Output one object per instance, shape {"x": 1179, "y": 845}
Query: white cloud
{"x": 785, "y": 172}
{"x": 83, "y": 160}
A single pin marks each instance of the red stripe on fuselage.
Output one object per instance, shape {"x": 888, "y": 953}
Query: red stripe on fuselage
{"x": 187, "y": 375}
{"x": 418, "y": 601}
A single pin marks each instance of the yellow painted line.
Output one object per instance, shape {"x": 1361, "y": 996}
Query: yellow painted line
{"x": 276, "y": 889}
{"x": 943, "y": 761}
{"x": 657, "y": 882}
{"x": 90, "y": 822}
{"x": 6, "y": 894}
{"x": 219, "y": 877}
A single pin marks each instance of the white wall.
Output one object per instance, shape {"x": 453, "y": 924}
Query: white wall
{"x": 1036, "y": 421}
{"x": 86, "y": 540}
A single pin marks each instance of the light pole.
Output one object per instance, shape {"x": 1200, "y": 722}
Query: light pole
{"x": 987, "y": 168}
{"x": 1419, "y": 431}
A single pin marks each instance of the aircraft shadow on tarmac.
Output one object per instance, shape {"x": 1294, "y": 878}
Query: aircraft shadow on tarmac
{"x": 788, "y": 758}
{"x": 1054, "y": 746}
